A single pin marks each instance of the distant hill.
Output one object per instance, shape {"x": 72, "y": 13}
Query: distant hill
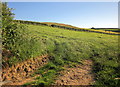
{"x": 69, "y": 27}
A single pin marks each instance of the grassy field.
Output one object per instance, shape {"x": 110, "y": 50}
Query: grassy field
{"x": 70, "y": 47}
{"x": 70, "y": 27}
{"x": 66, "y": 47}
{"x": 64, "y": 44}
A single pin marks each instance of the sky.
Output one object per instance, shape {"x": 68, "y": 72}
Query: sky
{"x": 119, "y": 15}
{"x": 80, "y": 14}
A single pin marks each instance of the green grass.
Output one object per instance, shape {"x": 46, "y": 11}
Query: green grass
{"x": 69, "y": 27}
{"x": 68, "y": 47}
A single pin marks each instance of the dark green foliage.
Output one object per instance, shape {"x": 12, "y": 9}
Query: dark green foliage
{"x": 17, "y": 43}
{"x": 8, "y": 27}
{"x": 9, "y": 32}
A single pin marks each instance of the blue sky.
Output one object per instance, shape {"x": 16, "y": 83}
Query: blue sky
{"x": 81, "y": 14}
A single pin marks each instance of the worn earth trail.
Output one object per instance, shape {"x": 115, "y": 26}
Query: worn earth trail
{"x": 79, "y": 75}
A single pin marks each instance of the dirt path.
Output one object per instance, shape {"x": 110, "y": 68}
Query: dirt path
{"x": 80, "y": 75}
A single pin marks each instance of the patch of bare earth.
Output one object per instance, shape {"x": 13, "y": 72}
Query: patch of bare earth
{"x": 25, "y": 80}
{"x": 79, "y": 75}
{"x": 21, "y": 73}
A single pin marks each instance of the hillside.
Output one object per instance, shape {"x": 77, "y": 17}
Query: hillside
{"x": 70, "y": 27}
{"x": 66, "y": 47}
{"x": 37, "y": 53}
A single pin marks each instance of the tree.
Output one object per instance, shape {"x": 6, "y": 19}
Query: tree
{"x": 92, "y": 28}
{"x": 7, "y": 15}
{"x": 12, "y": 32}
{"x": 8, "y": 26}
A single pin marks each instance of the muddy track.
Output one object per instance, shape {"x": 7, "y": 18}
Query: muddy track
{"x": 17, "y": 73}
{"x": 79, "y": 75}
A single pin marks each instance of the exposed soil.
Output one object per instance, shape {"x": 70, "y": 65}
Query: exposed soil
{"x": 20, "y": 73}
{"x": 22, "y": 82}
{"x": 79, "y": 75}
